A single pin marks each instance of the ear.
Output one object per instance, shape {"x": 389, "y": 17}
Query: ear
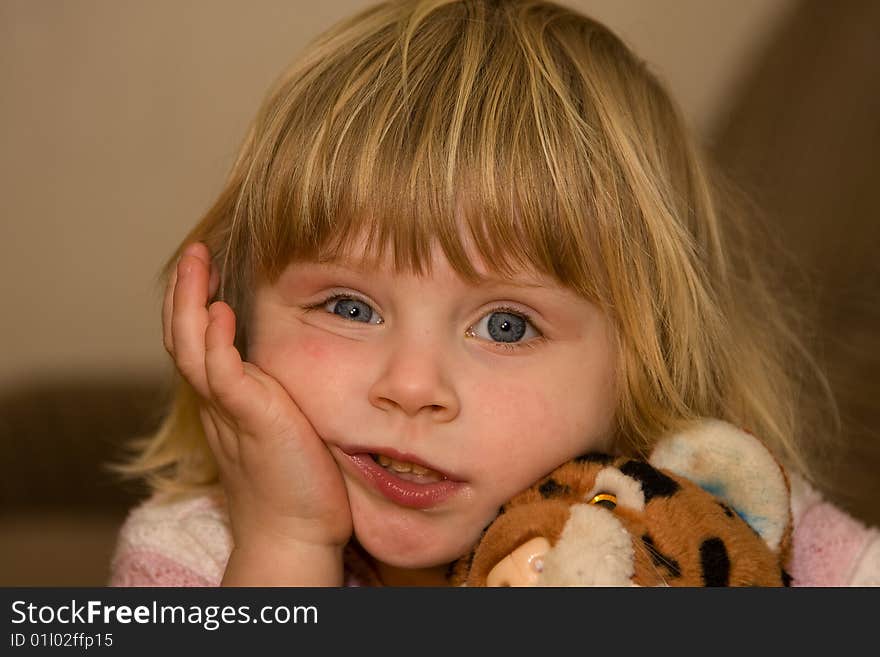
{"x": 736, "y": 467}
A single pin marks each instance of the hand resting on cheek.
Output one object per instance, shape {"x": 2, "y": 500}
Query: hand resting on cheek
{"x": 286, "y": 498}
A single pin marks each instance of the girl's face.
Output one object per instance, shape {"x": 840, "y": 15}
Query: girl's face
{"x": 488, "y": 388}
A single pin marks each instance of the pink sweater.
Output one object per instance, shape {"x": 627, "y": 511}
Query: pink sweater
{"x": 187, "y": 543}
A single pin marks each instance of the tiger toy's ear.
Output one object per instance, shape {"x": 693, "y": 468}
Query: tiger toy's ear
{"x": 735, "y": 467}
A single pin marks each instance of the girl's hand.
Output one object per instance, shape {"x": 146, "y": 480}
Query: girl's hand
{"x": 283, "y": 487}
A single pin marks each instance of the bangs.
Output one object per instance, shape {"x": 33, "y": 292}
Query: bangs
{"x": 458, "y": 125}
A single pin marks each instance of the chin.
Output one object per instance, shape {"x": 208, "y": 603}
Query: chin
{"x": 407, "y": 541}
{"x": 407, "y": 551}
{"x": 422, "y": 558}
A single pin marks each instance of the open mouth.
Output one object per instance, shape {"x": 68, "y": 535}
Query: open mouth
{"x": 408, "y": 471}
{"x": 403, "y": 481}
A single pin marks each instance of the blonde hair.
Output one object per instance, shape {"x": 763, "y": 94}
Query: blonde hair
{"x": 563, "y": 153}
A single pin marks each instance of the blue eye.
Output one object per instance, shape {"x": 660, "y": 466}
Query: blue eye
{"x": 506, "y": 327}
{"x": 351, "y": 308}
{"x": 502, "y": 327}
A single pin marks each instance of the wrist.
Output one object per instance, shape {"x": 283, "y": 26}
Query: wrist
{"x": 276, "y": 531}
{"x": 260, "y": 562}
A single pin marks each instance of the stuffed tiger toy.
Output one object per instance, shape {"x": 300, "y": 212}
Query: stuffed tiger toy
{"x": 710, "y": 507}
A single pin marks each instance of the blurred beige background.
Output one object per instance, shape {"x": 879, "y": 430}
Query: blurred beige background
{"x": 119, "y": 119}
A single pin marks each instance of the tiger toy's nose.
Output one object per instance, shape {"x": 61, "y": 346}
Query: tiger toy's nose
{"x": 522, "y": 566}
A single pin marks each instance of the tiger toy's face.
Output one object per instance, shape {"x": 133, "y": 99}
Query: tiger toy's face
{"x": 603, "y": 521}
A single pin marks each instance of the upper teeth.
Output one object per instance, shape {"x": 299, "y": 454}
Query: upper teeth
{"x": 401, "y": 466}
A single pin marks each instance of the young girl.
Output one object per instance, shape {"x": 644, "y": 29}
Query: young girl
{"x": 464, "y": 242}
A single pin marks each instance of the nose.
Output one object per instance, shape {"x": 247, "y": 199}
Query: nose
{"x": 522, "y": 567}
{"x": 415, "y": 379}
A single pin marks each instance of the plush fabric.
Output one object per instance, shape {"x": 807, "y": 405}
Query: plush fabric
{"x": 710, "y": 506}
{"x": 831, "y": 548}
{"x": 181, "y": 543}
{"x": 187, "y": 543}
{"x": 139, "y": 567}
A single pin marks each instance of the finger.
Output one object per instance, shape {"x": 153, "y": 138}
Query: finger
{"x": 167, "y": 310}
{"x": 220, "y": 438}
{"x": 168, "y": 304}
{"x": 189, "y": 316}
{"x": 254, "y": 400}
{"x": 225, "y": 371}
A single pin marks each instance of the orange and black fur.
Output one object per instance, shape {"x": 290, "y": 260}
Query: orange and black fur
{"x": 680, "y": 534}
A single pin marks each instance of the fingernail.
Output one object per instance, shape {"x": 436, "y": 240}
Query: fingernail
{"x": 191, "y": 249}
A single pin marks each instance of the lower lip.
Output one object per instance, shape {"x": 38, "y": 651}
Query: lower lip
{"x": 400, "y": 491}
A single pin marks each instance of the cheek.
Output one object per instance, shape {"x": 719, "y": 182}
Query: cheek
{"x": 298, "y": 362}
{"x": 308, "y": 355}
{"x": 514, "y": 402}
{"x": 506, "y": 416}
{"x": 315, "y": 351}
{"x": 563, "y": 414}
{"x": 588, "y": 394}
